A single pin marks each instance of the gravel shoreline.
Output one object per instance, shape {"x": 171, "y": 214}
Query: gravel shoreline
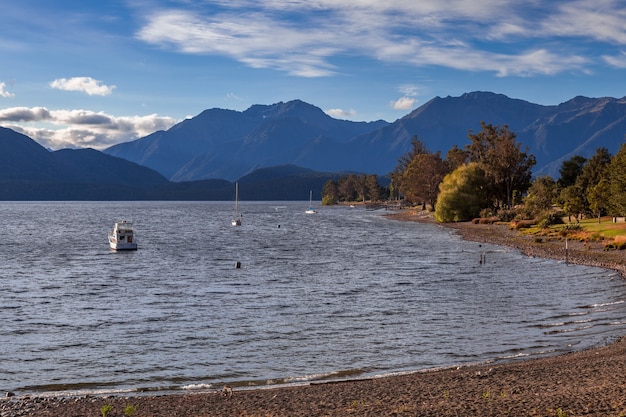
{"x": 590, "y": 382}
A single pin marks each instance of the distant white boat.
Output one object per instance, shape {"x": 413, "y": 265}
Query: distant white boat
{"x": 236, "y": 221}
{"x": 310, "y": 210}
{"x": 122, "y": 236}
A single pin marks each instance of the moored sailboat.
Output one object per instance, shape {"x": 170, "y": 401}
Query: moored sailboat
{"x": 310, "y": 210}
{"x": 236, "y": 221}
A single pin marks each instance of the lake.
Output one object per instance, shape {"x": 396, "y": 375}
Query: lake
{"x": 344, "y": 293}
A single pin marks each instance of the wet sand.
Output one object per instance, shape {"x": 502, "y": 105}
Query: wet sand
{"x": 589, "y": 383}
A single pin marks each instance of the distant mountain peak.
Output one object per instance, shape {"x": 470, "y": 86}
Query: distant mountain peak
{"x": 294, "y": 108}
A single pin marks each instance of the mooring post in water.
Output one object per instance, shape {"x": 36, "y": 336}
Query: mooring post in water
{"x": 237, "y": 265}
{"x": 566, "y": 251}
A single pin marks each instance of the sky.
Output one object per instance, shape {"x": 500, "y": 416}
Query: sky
{"x": 77, "y": 74}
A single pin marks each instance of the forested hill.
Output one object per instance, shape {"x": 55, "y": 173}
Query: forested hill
{"x": 30, "y": 172}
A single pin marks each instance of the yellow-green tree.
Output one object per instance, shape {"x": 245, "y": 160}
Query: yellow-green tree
{"x": 462, "y": 194}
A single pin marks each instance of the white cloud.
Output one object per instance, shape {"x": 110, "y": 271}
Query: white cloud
{"x": 403, "y": 103}
{"x": 303, "y": 37}
{"x": 81, "y": 128}
{"x": 341, "y": 113}
{"x": 84, "y": 84}
{"x": 617, "y": 61}
{"x": 24, "y": 114}
{"x": 410, "y": 90}
{"x": 4, "y": 93}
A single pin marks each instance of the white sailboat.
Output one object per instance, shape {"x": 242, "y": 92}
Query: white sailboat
{"x": 236, "y": 221}
{"x": 310, "y": 210}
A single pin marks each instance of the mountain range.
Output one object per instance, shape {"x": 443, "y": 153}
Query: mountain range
{"x": 228, "y": 144}
{"x": 30, "y": 172}
{"x": 281, "y": 151}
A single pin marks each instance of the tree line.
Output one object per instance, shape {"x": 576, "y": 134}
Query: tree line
{"x": 492, "y": 176}
{"x": 352, "y": 188}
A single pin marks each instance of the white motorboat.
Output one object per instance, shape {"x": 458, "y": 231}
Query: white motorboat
{"x": 122, "y": 236}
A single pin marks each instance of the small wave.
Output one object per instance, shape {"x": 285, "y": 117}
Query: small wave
{"x": 527, "y": 354}
{"x": 197, "y": 387}
{"x": 515, "y": 355}
{"x": 300, "y": 380}
{"x": 599, "y": 305}
{"x": 563, "y": 323}
{"x": 569, "y": 330}
{"x": 39, "y": 392}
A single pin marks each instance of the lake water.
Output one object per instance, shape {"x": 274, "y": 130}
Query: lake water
{"x": 343, "y": 293}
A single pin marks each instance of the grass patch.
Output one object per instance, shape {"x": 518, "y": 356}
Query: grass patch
{"x": 587, "y": 230}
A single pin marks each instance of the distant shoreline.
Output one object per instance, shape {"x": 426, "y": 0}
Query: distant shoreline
{"x": 589, "y": 382}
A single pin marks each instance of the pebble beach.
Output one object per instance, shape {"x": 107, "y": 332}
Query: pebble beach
{"x": 590, "y": 382}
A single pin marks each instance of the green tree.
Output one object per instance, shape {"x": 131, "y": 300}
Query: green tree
{"x": 507, "y": 168}
{"x": 570, "y": 170}
{"x": 422, "y": 177}
{"x": 397, "y": 176}
{"x": 573, "y": 201}
{"x": 598, "y": 197}
{"x": 617, "y": 181}
{"x": 373, "y": 189}
{"x": 462, "y": 194}
{"x": 455, "y": 158}
{"x": 350, "y": 187}
{"x": 542, "y": 194}
{"x": 330, "y": 193}
{"x": 594, "y": 171}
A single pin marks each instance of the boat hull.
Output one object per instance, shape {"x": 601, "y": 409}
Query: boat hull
{"x": 123, "y": 246}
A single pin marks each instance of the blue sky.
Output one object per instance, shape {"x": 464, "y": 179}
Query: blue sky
{"x": 77, "y": 73}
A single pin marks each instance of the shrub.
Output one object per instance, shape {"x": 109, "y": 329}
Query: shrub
{"x": 549, "y": 219}
{"x": 486, "y": 212}
{"x": 130, "y": 410}
{"x": 521, "y": 224}
{"x": 106, "y": 409}
{"x": 507, "y": 215}
{"x": 488, "y": 220}
{"x": 573, "y": 227}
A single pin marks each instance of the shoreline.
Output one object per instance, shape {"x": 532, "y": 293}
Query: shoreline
{"x": 580, "y": 253}
{"x": 591, "y": 382}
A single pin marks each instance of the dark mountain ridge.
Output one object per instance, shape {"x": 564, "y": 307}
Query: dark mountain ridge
{"x": 30, "y": 172}
{"x": 228, "y": 144}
